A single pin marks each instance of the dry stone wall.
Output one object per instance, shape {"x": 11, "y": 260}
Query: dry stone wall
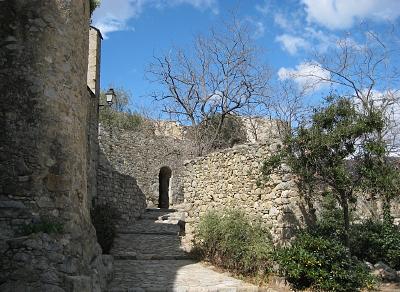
{"x": 231, "y": 179}
{"x": 44, "y": 149}
{"x": 140, "y": 155}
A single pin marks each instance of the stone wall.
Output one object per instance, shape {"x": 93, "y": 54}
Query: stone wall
{"x": 140, "y": 155}
{"x": 119, "y": 190}
{"x": 43, "y": 154}
{"x": 93, "y": 82}
{"x": 231, "y": 179}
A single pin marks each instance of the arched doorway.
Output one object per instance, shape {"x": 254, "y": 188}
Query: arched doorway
{"x": 164, "y": 182}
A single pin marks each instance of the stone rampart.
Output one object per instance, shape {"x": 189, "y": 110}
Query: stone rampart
{"x": 232, "y": 179}
{"x": 140, "y": 155}
{"x": 44, "y": 150}
{"x": 119, "y": 190}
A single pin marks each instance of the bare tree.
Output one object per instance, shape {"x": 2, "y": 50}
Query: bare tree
{"x": 288, "y": 105}
{"x": 367, "y": 72}
{"x": 218, "y": 77}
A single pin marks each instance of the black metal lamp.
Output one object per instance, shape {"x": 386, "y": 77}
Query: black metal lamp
{"x": 110, "y": 96}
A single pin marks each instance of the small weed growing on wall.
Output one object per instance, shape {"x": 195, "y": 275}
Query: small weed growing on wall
{"x": 230, "y": 240}
{"x": 103, "y": 219}
{"x": 46, "y": 225}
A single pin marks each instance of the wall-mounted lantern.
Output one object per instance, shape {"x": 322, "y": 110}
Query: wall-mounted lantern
{"x": 110, "y": 96}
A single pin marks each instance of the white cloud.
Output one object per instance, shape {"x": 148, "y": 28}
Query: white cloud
{"x": 264, "y": 8}
{"x": 113, "y": 15}
{"x": 342, "y": 14}
{"x": 291, "y": 43}
{"x": 389, "y": 102}
{"x": 282, "y": 21}
{"x": 307, "y": 75}
{"x": 257, "y": 27}
{"x": 260, "y": 29}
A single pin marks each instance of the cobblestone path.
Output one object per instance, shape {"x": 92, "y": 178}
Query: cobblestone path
{"x": 148, "y": 257}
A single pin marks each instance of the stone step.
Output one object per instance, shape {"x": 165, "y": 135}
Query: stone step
{"x": 172, "y": 275}
{"x": 134, "y": 256}
{"x": 148, "y": 226}
{"x": 147, "y": 246}
{"x": 163, "y": 215}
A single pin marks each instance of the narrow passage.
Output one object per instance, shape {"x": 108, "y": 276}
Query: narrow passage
{"x": 148, "y": 257}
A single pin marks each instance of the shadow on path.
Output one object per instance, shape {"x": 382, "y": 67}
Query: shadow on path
{"x": 148, "y": 257}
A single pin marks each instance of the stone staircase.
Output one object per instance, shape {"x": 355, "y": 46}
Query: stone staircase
{"x": 148, "y": 257}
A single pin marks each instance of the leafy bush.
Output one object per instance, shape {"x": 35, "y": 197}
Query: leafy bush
{"x": 371, "y": 241}
{"x": 93, "y": 5}
{"x": 230, "y": 240}
{"x": 322, "y": 264}
{"x": 375, "y": 241}
{"x": 120, "y": 120}
{"x": 103, "y": 219}
{"x": 46, "y": 225}
{"x": 330, "y": 221}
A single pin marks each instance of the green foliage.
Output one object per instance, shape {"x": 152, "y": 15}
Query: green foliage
{"x": 229, "y": 240}
{"x": 104, "y": 218}
{"x": 110, "y": 118}
{"x": 272, "y": 163}
{"x": 93, "y": 5}
{"x": 46, "y": 225}
{"x": 319, "y": 152}
{"x": 375, "y": 241}
{"x": 330, "y": 223}
{"x": 371, "y": 241}
{"x": 380, "y": 174}
{"x": 118, "y": 115}
{"x": 322, "y": 264}
{"x": 231, "y": 132}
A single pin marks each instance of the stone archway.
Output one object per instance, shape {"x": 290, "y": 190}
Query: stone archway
{"x": 164, "y": 186}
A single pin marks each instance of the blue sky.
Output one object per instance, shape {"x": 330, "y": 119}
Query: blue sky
{"x": 289, "y": 30}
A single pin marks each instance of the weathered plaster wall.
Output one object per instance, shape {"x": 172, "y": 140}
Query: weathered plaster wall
{"x": 231, "y": 179}
{"x": 140, "y": 155}
{"x": 43, "y": 148}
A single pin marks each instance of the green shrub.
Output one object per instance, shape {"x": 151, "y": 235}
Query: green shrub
{"x": 375, "y": 241}
{"x": 103, "y": 219}
{"x": 111, "y": 118}
{"x": 230, "y": 240}
{"x": 330, "y": 221}
{"x": 93, "y": 5}
{"x": 371, "y": 241}
{"x": 46, "y": 225}
{"x": 322, "y": 264}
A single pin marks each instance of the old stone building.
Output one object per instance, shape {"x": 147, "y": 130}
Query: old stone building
{"x": 48, "y": 148}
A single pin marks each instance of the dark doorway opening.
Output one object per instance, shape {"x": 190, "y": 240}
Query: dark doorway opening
{"x": 164, "y": 180}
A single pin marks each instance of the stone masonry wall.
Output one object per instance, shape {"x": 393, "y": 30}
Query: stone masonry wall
{"x": 230, "y": 179}
{"x": 93, "y": 82}
{"x": 43, "y": 149}
{"x": 140, "y": 155}
{"x": 119, "y": 191}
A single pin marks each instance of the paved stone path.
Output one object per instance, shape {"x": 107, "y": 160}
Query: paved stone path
{"x": 148, "y": 257}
